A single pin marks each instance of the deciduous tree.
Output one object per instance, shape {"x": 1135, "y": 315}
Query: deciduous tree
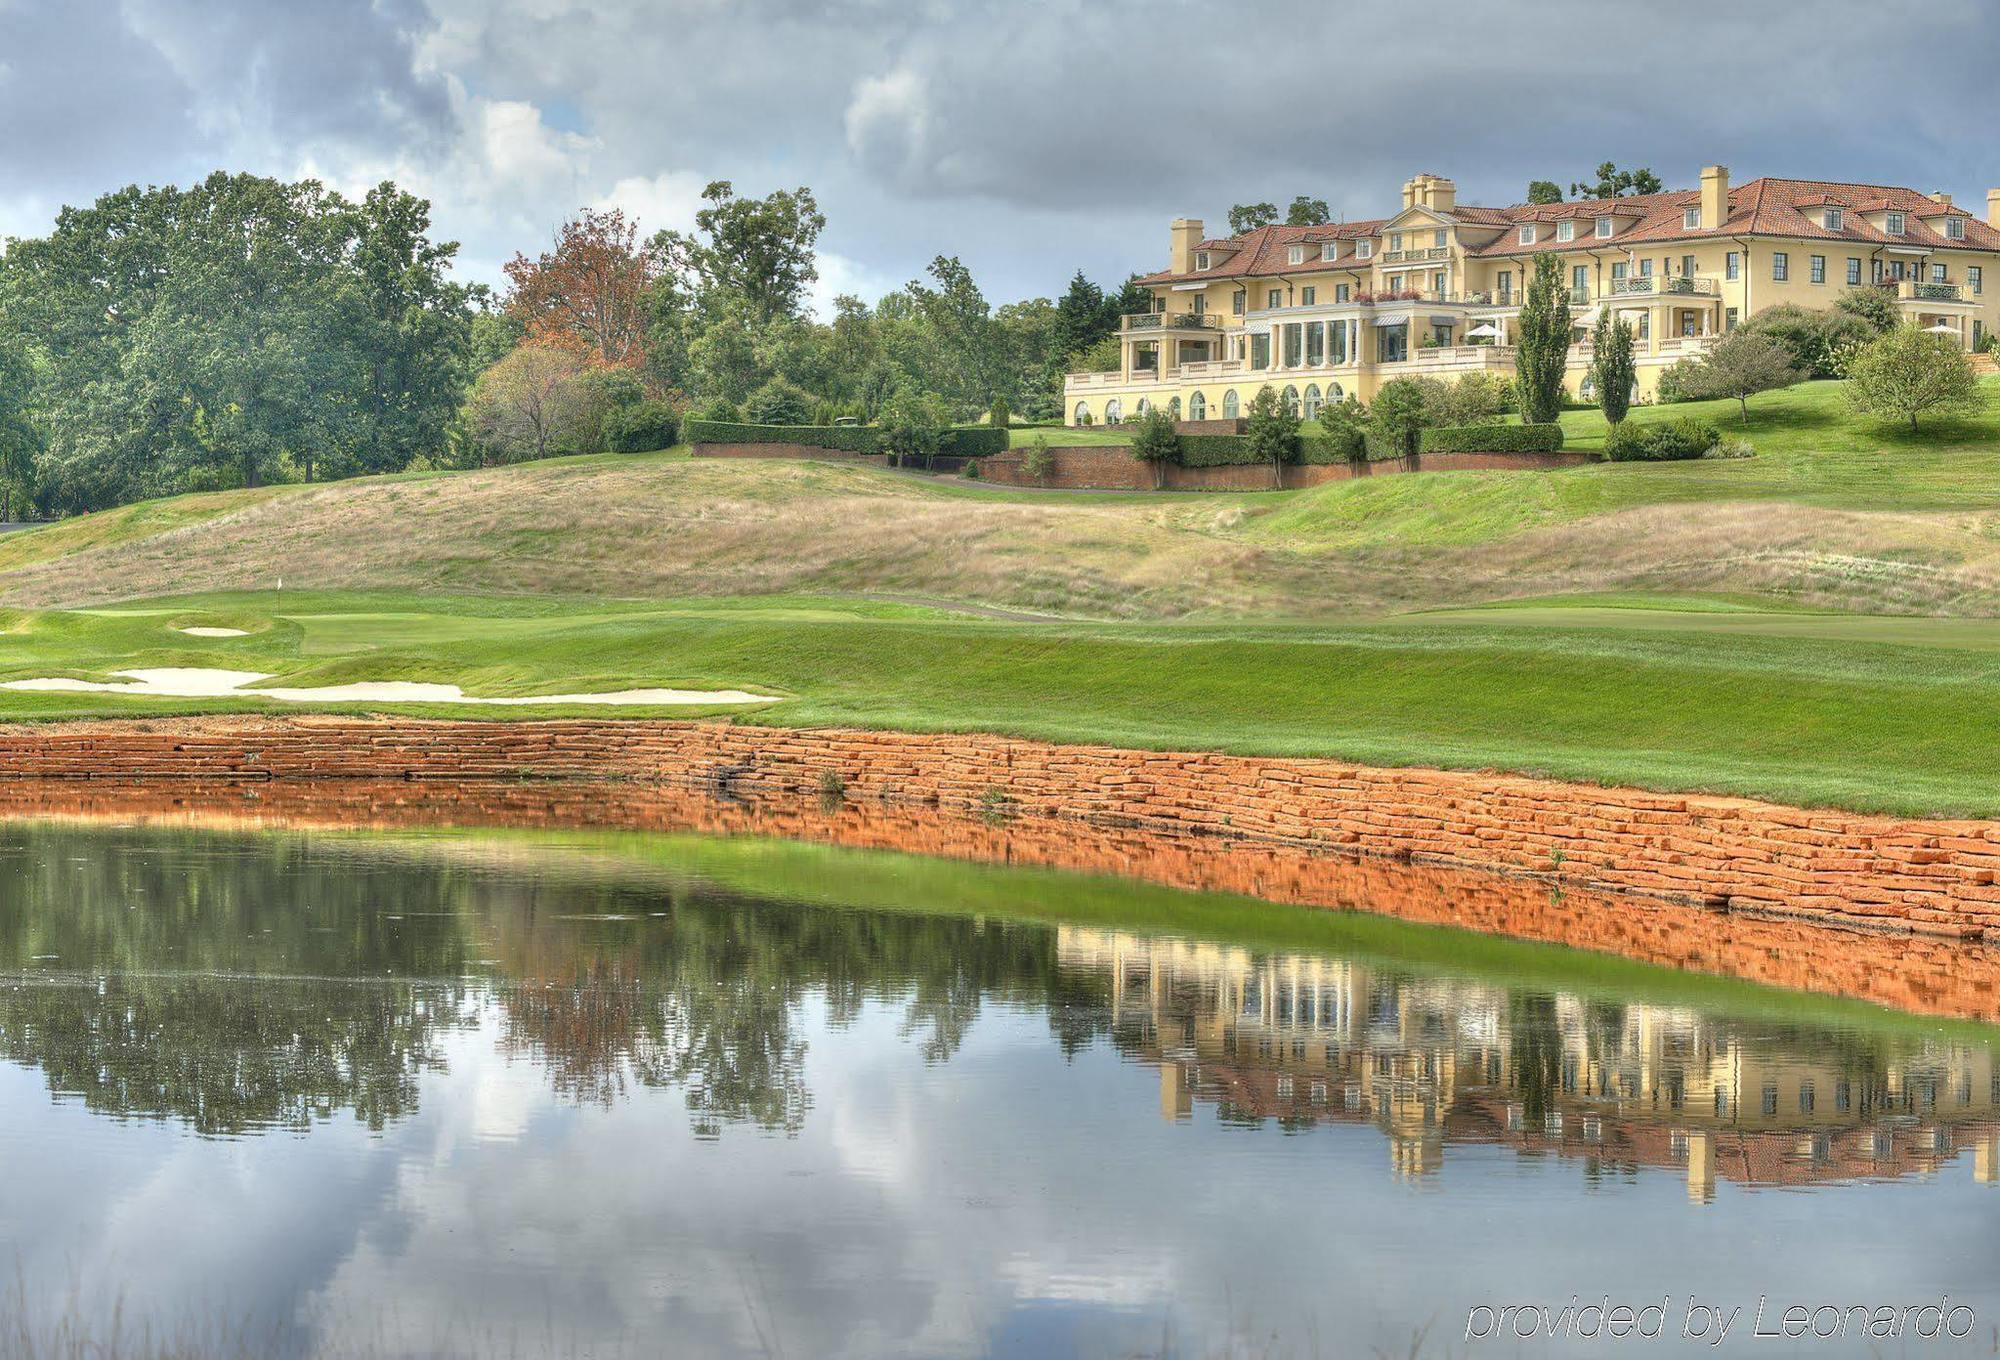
{"x": 530, "y": 402}
{"x": 1738, "y": 366}
{"x": 1910, "y": 373}
{"x": 1250, "y": 216}
{"x": 591, "y": 292}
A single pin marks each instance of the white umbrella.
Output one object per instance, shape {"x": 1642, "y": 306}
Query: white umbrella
{"x": 1484, "y": 328}
{"x": 1942, "y": 328}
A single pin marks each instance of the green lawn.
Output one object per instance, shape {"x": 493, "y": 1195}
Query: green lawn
{"x": 1880, "y": 714}
{"x": 1811, "y": 449}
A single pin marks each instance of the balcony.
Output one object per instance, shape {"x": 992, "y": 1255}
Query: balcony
{"x": 1195, "y": 370}
{"x": 1458, "y": 358}
{"x": 1172, "y": 321}
{"x": 1662, "y": 285}
{"x": 1415, "y": 256}
{"x": 1916, "y": 290}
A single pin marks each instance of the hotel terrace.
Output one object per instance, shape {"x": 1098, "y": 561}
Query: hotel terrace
{"x": 1331, "y": 311}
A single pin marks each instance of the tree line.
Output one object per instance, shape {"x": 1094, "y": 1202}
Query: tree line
{"x": 245, "y": 330}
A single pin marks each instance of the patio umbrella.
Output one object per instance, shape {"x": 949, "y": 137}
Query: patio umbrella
{"x": 1484, "y": 328}
{"x": 1942, "y": 328}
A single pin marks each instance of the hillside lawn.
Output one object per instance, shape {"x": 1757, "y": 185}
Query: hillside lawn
{"x": 1895, "y": 715}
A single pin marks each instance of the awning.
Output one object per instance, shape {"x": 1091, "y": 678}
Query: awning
{"x": 1393, "y": 319}
{"x": 1444, "y": 321}
{"x": 1484, "y": 329}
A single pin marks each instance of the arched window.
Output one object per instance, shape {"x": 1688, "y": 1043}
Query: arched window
{"x": 1174, "y": 408}
{"x": 1114, "y": 411}
{"x": 1143, "y": 407}
{"x": 1197, "y": 407}
{"x": 1083, "y": 413}
{"x": 1230, "y": 408}
{"x": 1587, "y": 389}
{"x": 1289, "y": 399}
{"x": 1335, "y": 393}
{"x": 1311, "y": 407}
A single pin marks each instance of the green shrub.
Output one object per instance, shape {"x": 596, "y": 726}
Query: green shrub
{"x": 778, "y": 402}
{"x": 1343, "y": 432}
{"x": 1492, "y": 439}
{"x": 1156, "y": 443}
{"x": 641, "y": 427}
{"x": 974, "y": 441}
{"x": 1666, "y": 441}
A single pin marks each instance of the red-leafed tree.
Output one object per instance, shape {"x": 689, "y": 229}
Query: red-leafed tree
{"x": 590, "y": 293}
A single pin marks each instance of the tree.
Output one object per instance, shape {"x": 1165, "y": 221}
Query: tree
{"x": 531, "y": 402}
{"x": 1250, "y": 216}
{"x": 1343, "y": 425}
{"x": 1273, "y": 432}
{"x": 1544, "y": 191}
{"x": 1156, "y": 442}
{"x": 591, "y": 292}
{"x": 1542, "y": 352}
{"x": 19, "y": 441}
{"x": 1038, "y": 462}
{"x": 1873, "y": 307}
{"x": 778, "y": 402}
{"x": 1084, "y": 315}
{"x": 1308, "y": 212}
{"x": 1738, "y": 366}
{"x": 1910, "y": 373}
{"x": 1611, "y": 365}
{"x": 1401, "y": 412}
{"x": 1611, "y": 182}
{"x": 757, "y": 249}
{"x": 911, "y": 426}
{"x": 962, "y": 330}
{"x": 1474, "y": 399}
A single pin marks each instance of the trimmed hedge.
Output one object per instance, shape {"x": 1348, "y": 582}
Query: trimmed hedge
{"x": 973, "y": 441}
{"x": 1492, "y": 439}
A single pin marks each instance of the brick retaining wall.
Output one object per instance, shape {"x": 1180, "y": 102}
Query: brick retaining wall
{"x": 1924, "y": 875}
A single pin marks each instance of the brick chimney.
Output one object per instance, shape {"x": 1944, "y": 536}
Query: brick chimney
{"x": 1941, "y": 198}
{"x": 1441, "y": 195}
{"x": 1410, "y": 193}
{"x": 1714, "y": 196}
{"x": 1186, "y": 236}
{"x": 1993, "y": 207}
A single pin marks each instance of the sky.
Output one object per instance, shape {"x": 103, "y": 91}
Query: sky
{"x": 1029, "y": 137}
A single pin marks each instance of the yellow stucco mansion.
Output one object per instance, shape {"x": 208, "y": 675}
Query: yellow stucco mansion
{"x": 1331, "y": 311}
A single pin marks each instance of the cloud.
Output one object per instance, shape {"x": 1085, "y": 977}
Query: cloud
{"x": 1028, "y": 137}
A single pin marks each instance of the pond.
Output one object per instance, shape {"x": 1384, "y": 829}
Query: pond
{"x": 268, "y": 1090}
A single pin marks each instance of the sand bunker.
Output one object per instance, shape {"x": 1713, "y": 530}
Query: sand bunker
{"x": 201, "y": 682}
{"x": 214, "y": 632}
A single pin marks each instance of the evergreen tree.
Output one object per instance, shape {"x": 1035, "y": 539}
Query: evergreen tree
{"x": 1611, "y": 366}
{"x": 1543, "y": 348}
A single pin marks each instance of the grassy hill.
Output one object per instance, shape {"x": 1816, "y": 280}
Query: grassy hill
{"x": 1777, "y": 626}
{"x": 1830, "y": 513}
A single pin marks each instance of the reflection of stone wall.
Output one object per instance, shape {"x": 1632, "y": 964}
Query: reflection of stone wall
{"x": 1929, "y": 876}
{"x": 1928, "y": 975}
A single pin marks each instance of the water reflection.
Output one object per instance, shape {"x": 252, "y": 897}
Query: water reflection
{"x": 460, "y": 1092}
{"x": 1301, "y": 1039}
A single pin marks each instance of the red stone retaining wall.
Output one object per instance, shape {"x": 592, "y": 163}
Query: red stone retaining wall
{"x": 785, "y": 451}
{"x": 1930, "y": 876}
{"x": 1100, "y": 467}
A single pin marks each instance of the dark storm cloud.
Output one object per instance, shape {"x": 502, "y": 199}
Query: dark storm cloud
{"x": 1029, "y": 136}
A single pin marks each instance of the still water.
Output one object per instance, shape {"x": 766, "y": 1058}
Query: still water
{"x": 300, "y": 1093}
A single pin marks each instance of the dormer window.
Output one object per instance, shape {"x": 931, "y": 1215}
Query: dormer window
{"x": 1690, "y": 219}
{"x": 1603, "y": 228}
{"x": 1364, "y": 250}
{"x": 1329, "y": 250}
{"x": 1954, "y": 227}
{"x": 1565, "y": 231}
{"x": 1894, "y": 223}
{"x": 1296, "y": 255}
{"x": 1527, "y": 235}
{"x": 1201, "y": 259}
{"x": 1835, "y": 219}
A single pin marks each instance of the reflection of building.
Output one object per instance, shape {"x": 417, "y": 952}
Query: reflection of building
{"x": 1303, "y": 1039}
